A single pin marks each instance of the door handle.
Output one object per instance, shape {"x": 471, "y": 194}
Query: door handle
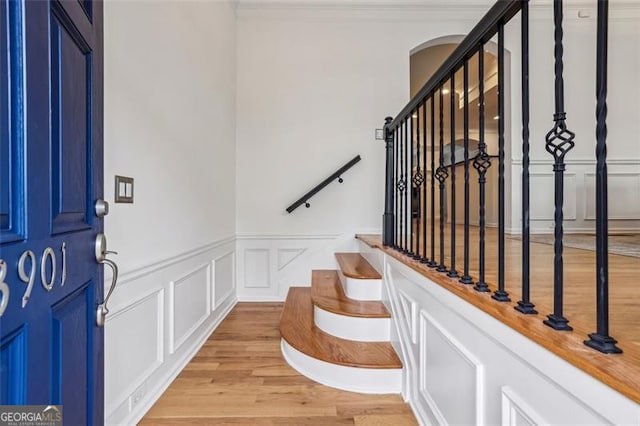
{"x": 101, "y": 257}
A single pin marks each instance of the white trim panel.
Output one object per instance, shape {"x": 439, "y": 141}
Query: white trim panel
{"x": 352, "y": 328}
{"x": 358, "y": 289}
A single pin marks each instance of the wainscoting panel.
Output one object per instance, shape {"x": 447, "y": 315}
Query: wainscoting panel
{"x": 223, "y": 281}
{"x": 579, "y": 208}
{"x": 448, "y": 368}
{"x": 515, "y": 412}
{"x": 189, "y": 295}
{"x": 141, "y": 322}
{"x": 269, "y": 264}
{"x": 256, "y": 268}
{"x": 543, "y": 208}
{"x": 161, "y": 315}
{"x": 466, "y": 367}
{"x": 624, "y": 196}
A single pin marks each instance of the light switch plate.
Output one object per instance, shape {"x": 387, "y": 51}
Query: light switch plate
{"x": 379, "y": 134}
{"x": 124, "y": 190}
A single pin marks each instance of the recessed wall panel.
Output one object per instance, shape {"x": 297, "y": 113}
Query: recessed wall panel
{"x": 447, "y": 370}
{"x": 191, "y": 303}
{"x": 140, "y": 322}
{"x": 223, "y": 278}
{"x": 256, "y": 268}
{"x": 624, "y": 196}
{"x": 543, "y": 199}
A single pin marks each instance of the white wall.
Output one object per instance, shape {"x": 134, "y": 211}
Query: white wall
{"x": 313, "y": 84}
{"x": 315, "y": 80}
{"x": 170, "y": 124}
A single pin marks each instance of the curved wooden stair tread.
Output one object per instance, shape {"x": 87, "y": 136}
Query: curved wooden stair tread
{"x": 353, "y": 265}
{"x": 327, "y": 293}
{"x": 299, "y": 331}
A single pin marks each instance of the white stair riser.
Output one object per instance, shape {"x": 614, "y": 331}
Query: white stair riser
{"x": 352, "y": 328}
{"x": 354, "y": 379}
{"x": 359, "y": 289}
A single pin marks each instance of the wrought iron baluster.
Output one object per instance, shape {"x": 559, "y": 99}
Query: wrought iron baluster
{"x": 388, "y": 219}
{"x": 432, "y": 262}
{"x": 559, "y": 141}
{"x": 423, "y": 218}
{"x": 401, "y": 187}
{"x": 410, "y": 251}
{"x": 407, "y": 188}
{"x": 441, "y": 175}
{"x": 525, "y": 306}
{"x": 418, "y": 180}
{"x": 481, "y": 163}
{"x": 500, "y": 294}
{"x": 452, "y": 110}
{"x": 396, "y": 219}
{"x": 466, "y": 279}
{"x": 601, "y": 340}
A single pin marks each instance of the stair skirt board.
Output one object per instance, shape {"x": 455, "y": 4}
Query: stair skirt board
{"x": 353, "y": 379}
{"x": 361, "y": 289}
{"x": 352, "y": 328}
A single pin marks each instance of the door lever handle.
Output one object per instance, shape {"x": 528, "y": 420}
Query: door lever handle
{"x": 103, "y": 310}
{"x": 101, "y": 258}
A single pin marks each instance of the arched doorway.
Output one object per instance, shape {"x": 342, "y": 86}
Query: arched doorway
{"x": 425, "y": 59}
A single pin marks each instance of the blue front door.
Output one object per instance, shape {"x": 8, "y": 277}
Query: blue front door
{"x": 51, "y": 350}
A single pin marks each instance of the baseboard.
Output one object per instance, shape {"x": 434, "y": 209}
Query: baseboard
{"x": 135, "y": 416}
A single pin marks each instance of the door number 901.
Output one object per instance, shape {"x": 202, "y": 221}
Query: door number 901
{"x": 29, "y": 277}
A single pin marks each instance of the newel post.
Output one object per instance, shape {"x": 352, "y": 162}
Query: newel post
{"x": 387, "y": 223}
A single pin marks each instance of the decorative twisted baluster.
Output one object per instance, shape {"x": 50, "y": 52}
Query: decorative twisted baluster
{"x": 423, "y": 218}
{"x": 559, "y": 141}
{"x": 441, "y": 175}
{"x": 481, "y": 163}
{"x": 410, "y": 251}
{"x": 402, "y": 186}
{"x": 397, "y": 175}
{"x": 500, "y": 294}
{"x": 466, "y": 278}
{"x": 418, "y": 180}
{"x": 601, "y": 340}
{"x": 432, "y": 262}
{"x": 525, "y": 306}
{"x": 452, "y": 110}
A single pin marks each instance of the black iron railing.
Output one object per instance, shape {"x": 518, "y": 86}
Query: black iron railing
{"x": 335, "y": 175}
{"x": 416, "y": 173}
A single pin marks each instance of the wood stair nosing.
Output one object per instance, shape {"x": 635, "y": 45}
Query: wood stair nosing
{"x": 353, "y": 265}
{"x": 299, "y": 331}
{"x": 327, "y": 293}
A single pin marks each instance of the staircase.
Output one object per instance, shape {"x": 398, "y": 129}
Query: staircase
{"x": 337, "y": 332}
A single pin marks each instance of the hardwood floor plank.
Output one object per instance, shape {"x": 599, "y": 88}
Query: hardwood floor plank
{"x": 240, "y": 378}
{"x": 327, "y": 293}
{"x": 353, "y": 265}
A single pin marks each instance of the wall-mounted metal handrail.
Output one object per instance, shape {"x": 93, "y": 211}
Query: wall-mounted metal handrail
{"x": 335, "y": 175}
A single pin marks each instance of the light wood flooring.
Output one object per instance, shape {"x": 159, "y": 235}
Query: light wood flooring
{"x": 579, "y": 279}
{"x": 240, "y": 378}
